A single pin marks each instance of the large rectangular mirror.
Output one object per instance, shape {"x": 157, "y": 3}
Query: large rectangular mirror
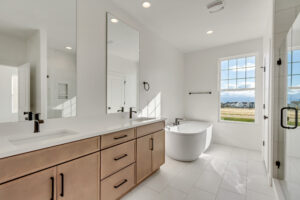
{"x": 37, "y": 59}
{"x": 122, "y": 65}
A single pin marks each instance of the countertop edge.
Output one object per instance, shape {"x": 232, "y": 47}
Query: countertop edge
{"x": 86, "y": 135}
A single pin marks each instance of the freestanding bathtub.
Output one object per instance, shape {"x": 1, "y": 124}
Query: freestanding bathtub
{"x": 186, "y": 142}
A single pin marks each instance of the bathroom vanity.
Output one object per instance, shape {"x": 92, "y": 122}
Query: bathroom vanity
{"x": 105, "y": 166}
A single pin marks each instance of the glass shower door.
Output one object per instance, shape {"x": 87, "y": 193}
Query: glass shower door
{"x": 289, "y": 121}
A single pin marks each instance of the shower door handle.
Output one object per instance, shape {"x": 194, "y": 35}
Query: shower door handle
{"x": 282, "y": 115}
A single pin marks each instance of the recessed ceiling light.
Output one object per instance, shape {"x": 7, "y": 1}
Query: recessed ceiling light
{"x": 146, "y": 4}
{"x": 114, "y": 20}
{"x": 69, "y": 48}
{"x": 210, "y": 32}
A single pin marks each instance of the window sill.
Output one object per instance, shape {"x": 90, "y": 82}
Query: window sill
{"x": 237, "y": 122}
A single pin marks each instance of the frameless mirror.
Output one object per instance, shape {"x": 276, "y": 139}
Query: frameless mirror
{"x": 122, "y": 65}
{"x": 37, "y": 59}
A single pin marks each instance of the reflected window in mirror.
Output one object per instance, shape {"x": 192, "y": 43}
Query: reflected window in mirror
{"x": 122, "y": 66}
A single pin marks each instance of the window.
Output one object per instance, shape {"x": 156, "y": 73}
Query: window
{"x": 293, "y": 83}
{"x": 237, "y": 89}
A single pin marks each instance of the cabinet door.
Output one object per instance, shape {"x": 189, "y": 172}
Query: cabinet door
{"x": 79, "y": 179}
{"x": 158, "y": 152}
{"x": 143, "y": 162}
{"x": 37, "y": 186}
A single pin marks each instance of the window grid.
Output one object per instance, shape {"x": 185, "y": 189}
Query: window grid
{"x": 236, "y": 68}
{"x": 237, "y": 88}
{"x": 291, "y": 75}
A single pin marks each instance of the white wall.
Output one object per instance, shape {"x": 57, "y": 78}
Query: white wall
{"x": 201, "y": 74}
{"x": 161, "y": 65}
{"x": 12, "y": 50}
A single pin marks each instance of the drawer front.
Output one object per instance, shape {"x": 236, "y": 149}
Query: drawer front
{"x": 116, "y": 158}
{"x": 151, "y": 128}
{"x": 118, "y": 184}
{"x": 20, "y": 165}
{"x": 117, "y": 138}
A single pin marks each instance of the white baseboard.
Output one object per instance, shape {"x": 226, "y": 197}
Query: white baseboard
{"x": 278, "y": 190}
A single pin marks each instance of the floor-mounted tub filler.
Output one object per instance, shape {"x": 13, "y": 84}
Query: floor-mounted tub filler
{"x": 188, "y": 140}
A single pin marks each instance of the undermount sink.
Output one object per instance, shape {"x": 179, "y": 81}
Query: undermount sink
{"x": 141, "y": 119}
{"x": 40, "y": 137}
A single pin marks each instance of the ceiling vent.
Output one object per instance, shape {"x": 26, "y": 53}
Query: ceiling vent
{"x": 215, "y": 6}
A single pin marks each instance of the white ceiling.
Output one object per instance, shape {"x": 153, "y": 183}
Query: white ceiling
{"x": 58, "y": 17}
{"x": 184, "y": 23}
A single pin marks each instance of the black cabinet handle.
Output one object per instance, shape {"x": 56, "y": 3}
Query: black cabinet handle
{"x": 62, "y": 184}
{"x": 120, "y": 157}
{"x": 52, "y": 188}
{"x": 296, "y": 118}
{"x": 121, "y": 137}
{"x": 119, "y": 185}
{"x": 152, "y": 144}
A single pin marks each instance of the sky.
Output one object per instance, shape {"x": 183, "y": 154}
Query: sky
{"x": 238, "y": 96}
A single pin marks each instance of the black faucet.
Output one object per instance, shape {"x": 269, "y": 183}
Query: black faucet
{"x": 177, "y": 121}
{"x": 37, "y": 122}
{"x": 30, "y": 116}
{"x": 121, "y": 110}
{"x": 130, "y": 112}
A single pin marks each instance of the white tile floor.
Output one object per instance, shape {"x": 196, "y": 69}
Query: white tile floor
{"x": 222, "y": 173}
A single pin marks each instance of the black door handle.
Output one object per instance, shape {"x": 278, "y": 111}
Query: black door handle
{"x": 62, "y": 184}
{"x": 52, "y": 188}
{"x": 296, "y": 118}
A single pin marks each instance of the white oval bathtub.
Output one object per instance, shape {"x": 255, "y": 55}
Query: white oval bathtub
{"x": 186, "y": 142}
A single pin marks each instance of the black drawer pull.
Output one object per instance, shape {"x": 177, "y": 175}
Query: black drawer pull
{"x": 52, "y": 188}
{"x": 62, "y": 184}
{"x": 120, "y": 157}
{"x": 121, "y": 137}
{"x": 152, "y": 144}
{"x": 123, "y": 182}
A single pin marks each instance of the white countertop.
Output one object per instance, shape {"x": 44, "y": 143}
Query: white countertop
{"x": 82, "y": 131}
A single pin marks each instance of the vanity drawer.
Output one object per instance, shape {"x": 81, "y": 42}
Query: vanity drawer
{"x": 116, "y": 158}
{"x": 117, "y": 138}
{"x": 20, "y": 165}
{"x": 118, "y": 184}
{"x": 148, "y": 129}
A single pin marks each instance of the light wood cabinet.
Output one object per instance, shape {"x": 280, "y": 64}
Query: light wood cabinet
{"x": 158, "y": 152}
{"x": 24, "y": 164}
{"x": 150, "y": 154}
{"x": 74, "y": 180}
{"x": 143, "y": 158}
{"x": 118, "y": 184}
{"x": 113, "y": 163}
{"x": 79, "y": 179}
{"x": 117, "y": 158}
{"x": 38, "y": 186}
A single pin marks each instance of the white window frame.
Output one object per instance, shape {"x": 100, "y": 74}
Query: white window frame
{"x": 243, "y": 89}
{"x": 296, "y": 87}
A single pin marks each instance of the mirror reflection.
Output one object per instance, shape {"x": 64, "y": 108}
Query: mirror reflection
{"x": 122, "y": 66}
{"x": 37, "y": 59}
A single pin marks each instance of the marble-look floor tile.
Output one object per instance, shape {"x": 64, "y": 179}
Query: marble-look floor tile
{"x": 196, "y": 194}
{"x": 209, "y": 181}
{"x": 221, "y": 173}
{"x": 226, "y": 195}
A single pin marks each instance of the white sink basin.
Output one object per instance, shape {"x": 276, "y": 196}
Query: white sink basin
{"x": 42, "y": 137}
{"x": 141, "y": 119}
